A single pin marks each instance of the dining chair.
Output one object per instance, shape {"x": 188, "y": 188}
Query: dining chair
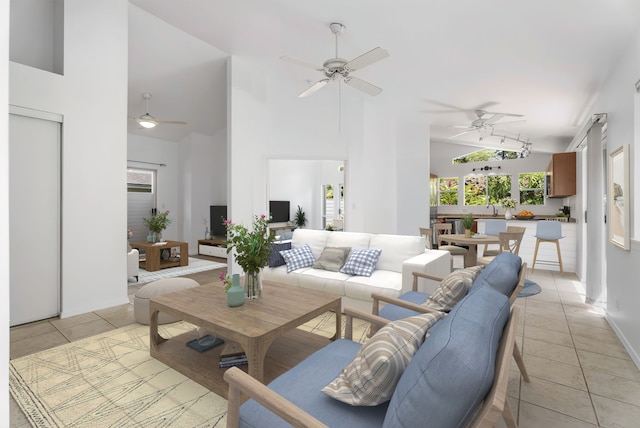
{"x": 428, "y": 234}
{"x": 548, "y": 231}
{"x": 445, "y": 229}
{"x": 492, "y": 227}
{"x": 509, "y": 241}
{"x": 509, "y": 229}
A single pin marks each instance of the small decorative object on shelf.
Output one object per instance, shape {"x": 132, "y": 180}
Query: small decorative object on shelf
{"x": 235, "y": 292}
{"x": 467, "y": 222}
{"x": 251, "y": 251}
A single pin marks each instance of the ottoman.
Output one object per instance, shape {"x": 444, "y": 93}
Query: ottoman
{"x": 158, "y": 288}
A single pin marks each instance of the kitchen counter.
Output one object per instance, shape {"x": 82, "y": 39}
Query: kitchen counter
{"x": 487, "y": 216}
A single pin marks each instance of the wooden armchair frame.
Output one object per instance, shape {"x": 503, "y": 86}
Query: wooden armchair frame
{"x": 494, "y": 405}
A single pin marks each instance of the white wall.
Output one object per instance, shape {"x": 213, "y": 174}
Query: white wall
{"x": 442, "y": 154}
{"x": 4, "y": 218}
{"x": 93, "y": 153}
{"x": 618, "y": 100}
{"x": 203, "y": 182}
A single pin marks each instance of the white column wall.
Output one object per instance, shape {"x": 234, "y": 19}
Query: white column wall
{"x": 93, "y": 156}
{"x": 623, "y": 294}
{"x": 4, "y": 218}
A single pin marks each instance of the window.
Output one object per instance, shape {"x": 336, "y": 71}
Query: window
{"x": 448, "y": 190}
{"x": 498, "y": 188}
{"x": 139, "y": 180}
{"x": 475, "y": 190}
{"x": 483, "y": 190}
{"x": 531, "y": 187}
{"x": 141, "y": 199}
{"x": 485, "y": 155}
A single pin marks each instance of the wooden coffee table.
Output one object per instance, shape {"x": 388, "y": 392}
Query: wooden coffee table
{"x": 153, "y": 252}
{"x": 266, "y": 324}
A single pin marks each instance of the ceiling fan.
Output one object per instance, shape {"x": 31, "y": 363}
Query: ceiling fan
{"x": 336, "y": 69}
{"x": 148, "y": 121}
{"x": 485, "y": 121}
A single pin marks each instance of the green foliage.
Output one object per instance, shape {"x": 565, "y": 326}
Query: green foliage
{"x": 486, "y": 155}
{"x": 531, "y": 188}
{"x": 448, "y": 190}
{"x": 252, "y": 247}
{"x": 328, "y": 191}
{"x": 467, "y": 221}
{"x": 158, "y": 222}
{"x": 300, "y": 218}
{"x": 475, "y": 190}
{"x": 499, "y": 187}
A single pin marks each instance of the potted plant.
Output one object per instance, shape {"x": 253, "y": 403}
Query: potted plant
{"x": 157, "y": 223}
{"x": 300, "y": 218}
{"x": 252, "y": 251}
{"x": 508, "y": 204}
{"x": 467, "y": 222}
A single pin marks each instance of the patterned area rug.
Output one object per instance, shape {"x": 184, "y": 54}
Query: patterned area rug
{"x": 110, "y": 380}
{"x": 195, "y": 265}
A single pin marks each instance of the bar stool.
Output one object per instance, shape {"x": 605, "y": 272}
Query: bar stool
{"x": 548, "y": 231}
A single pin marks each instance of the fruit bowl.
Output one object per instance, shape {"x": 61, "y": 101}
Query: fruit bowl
{"x": 523, "y": 217}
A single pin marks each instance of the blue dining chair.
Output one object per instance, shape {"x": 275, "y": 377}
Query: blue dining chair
{"x": 548, "y": 231}
{"x": 493, "y": 227}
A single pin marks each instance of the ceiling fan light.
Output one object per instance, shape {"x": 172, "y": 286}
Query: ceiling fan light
{"x": 146, "y": 121}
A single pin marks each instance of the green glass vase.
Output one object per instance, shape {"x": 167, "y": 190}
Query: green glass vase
{"x": 235, "y": 293}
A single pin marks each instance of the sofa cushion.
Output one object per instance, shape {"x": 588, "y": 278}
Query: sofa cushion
{"x": 452, "y": 289}
{"x": 371, "y": 377}
{"x": 396, "y": 249}
{"x": 348, "y": 239}
{"x": 452, "y": 372}
{"x": 275, "y": 258}
{"x": 322, "y": 280}
{"x": 501, "y": 274}
{"x": 302, "y": 384}
{"x": 316, "y": 239}
{"x": 297, "y": 258}
{"x": 332, "y": 258}
{"x": 361, "y": 261}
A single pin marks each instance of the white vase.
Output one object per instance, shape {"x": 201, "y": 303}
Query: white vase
{"x": 508, "y": 213}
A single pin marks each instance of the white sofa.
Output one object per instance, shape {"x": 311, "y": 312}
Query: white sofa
{"x": 401, "y": 255}
{"x": 133, "y": 267}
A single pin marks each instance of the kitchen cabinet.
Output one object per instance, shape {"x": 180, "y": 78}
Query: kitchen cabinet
{"x": 561, "y": 175}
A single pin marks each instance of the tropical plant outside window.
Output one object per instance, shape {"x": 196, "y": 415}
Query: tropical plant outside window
{"x": 483, "y": 190}
{"x": 486, "y": 155}
{"x": 531, "y": 187}
{"x": 498, "y": 188}
{"x": 448, "y": 190}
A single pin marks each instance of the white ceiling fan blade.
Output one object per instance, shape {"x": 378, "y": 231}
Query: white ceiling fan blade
{"x": 504, "y": 114}
{"x": 314, "y": 88}
{"x": 469, "y": 128}
{"x": 461, "y": 133}
{"x": 493, "y": 118}
{"x": 374, "y": 55}
{"x": 172, "y": 122}
{"x": 300, "y": 62}
{"x": 360, "y": 84}
{"x": 509, "y": 122}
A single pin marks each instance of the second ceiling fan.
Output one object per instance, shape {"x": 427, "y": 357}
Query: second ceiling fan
{"x": 485, "y": 121}
{"x": 336, "y": 69}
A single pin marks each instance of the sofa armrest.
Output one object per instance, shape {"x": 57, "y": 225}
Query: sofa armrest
{"x": 377, "y": 298}
{"x": 240, "y": 381}
{"x": 351, "y": 313}
{"x": 434, "y": 262}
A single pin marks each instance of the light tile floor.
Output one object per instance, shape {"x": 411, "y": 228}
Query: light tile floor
{"x": 581, "y": 375}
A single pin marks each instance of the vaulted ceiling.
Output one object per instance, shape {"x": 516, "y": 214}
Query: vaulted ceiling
{"x": 543, "y": 59}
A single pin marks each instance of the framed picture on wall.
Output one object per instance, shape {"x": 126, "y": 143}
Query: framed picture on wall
{"x": 619, "y": 197}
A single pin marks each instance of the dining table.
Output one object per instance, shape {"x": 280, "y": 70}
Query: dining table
{"x": 471, "y": 258}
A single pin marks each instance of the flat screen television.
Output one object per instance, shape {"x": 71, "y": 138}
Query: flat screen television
{"x": 218, "y": 214}
{"x": 279, "y": 211}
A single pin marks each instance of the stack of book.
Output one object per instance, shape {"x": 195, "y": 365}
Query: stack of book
{"x": 232, "y": 355}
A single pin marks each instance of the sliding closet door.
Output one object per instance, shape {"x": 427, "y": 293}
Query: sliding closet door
{"x": 34, "y": 218}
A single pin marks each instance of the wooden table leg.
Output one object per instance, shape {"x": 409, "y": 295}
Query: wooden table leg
{"x": 184, "y": 254}
{"x": 471, "y": 258}
{"x": 152, "y": 263}
{"x": 256, "y": 352}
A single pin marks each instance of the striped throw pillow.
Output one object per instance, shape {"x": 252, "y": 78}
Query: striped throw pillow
{"x": 372, "y": 376}
{"x": 452, "y": 288}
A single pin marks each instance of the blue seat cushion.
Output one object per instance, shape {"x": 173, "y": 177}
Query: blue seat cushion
{"x": 501, "y": 274}
{"x": 302, "y": 386}
{"x": 394, "y": 313}
{"x": 452, "y": 372}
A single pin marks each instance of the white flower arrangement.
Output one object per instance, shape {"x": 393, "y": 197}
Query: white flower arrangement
{"x": 508, "y": 203}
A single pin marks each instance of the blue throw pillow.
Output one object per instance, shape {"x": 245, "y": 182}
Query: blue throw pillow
{"x": 275, "y": 258}
{"x": 361, "y": 262}
{"x": 298, "y": 258}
